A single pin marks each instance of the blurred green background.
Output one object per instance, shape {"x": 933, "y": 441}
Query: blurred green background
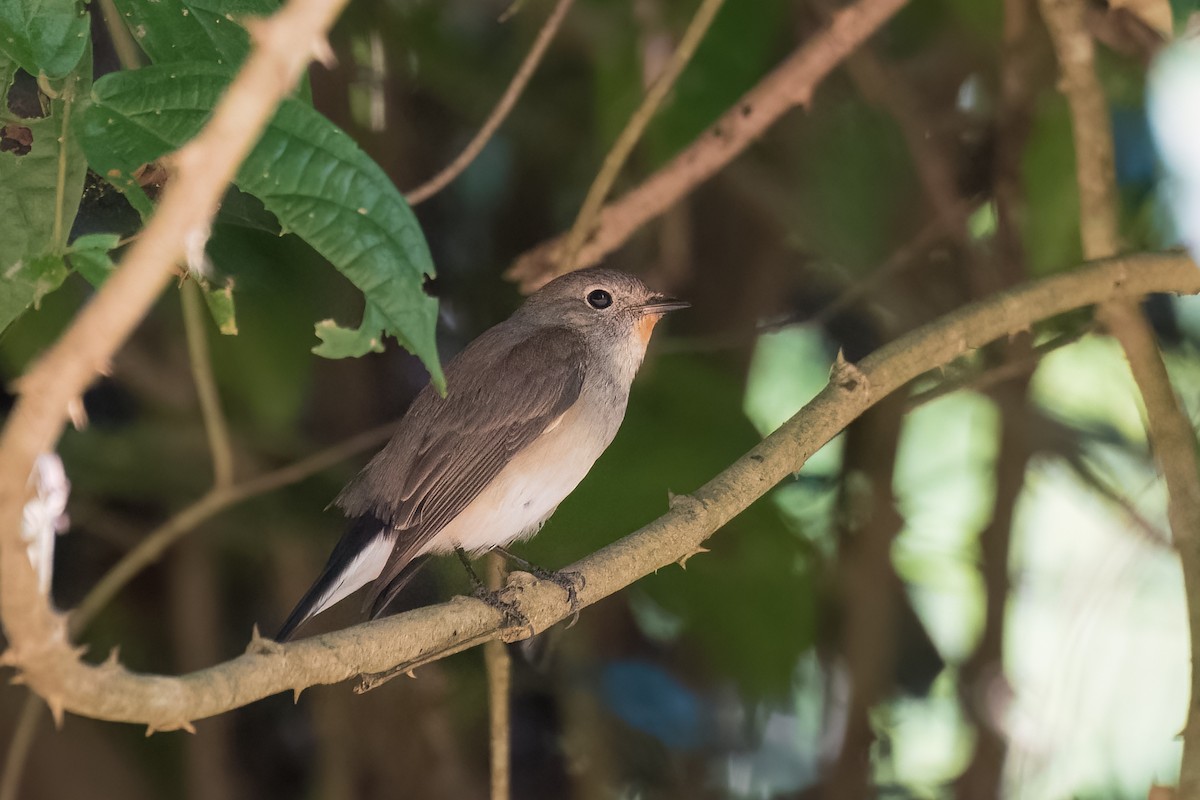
{"x": 760, "y": 670}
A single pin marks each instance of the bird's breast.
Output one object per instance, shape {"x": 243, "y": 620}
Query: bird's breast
{"x": 526, "y": 492}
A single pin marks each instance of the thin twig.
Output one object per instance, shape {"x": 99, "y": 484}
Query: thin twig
{"x": 20, "y": 746}
{"x": 499, "y": 670}
{"x": 215, "y": 427}
{"x": 632, "y": 133}
{"x": 500, "y": 112}
{"x": 216, "y": 500}
{"x": 789, "y": 85}
{"x": 1000, "y": 373}
{"x": 1171, "y": 436}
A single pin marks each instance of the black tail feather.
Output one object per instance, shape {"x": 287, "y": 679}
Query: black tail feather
{"x": 360, "y": 533}
{"x": 381, "y": 601}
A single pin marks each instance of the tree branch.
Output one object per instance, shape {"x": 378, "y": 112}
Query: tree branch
{"x": 1171, "y": 436}
{"x": 791, "y": 84}
{"x": 283, "y": 46}
{"x": 632, "y": 133}
{"x": 52, "y": 668}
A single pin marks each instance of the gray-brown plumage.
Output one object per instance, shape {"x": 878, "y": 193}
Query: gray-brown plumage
{"x": 530, "y": 405}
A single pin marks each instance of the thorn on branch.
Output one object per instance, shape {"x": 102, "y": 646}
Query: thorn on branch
{"x": 55, "y": 703}
{"x": 847, "y": 377}
{"x": 682, "y": 562}
{"x": 323, "y": 53}
{"x": 113, "y": 662}
{"x": 261, "y": 646}
{"x": 77, "y": 413}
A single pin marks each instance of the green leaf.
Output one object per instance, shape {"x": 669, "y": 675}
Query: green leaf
{"x": 220, "y": 305}
{"x": 307, "y": 172}
{"x": 44, "y": 36}
{"x": 42, "y": 183}
{"x": 27, "y": 281}
{"x": 193, "y": 30}
{"x": 339, "y": 342}
{"x": 88, "y": 255}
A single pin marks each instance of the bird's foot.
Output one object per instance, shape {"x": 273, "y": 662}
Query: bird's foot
{"x": 570, "y": 581}
{"x": 513, "y": 617}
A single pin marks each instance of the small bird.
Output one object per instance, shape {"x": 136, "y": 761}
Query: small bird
{"x": 529, "y": 407}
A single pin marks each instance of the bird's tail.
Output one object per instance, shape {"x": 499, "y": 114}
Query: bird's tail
{"x": 357, "y": 559}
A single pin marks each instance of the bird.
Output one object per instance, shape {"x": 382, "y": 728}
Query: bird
{"x": 529, "y": 406}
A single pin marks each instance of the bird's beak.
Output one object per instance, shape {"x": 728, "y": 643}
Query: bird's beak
{"x": 660, "y": 304}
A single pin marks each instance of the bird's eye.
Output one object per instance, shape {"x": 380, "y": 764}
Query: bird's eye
{"x": 598, "y": 298}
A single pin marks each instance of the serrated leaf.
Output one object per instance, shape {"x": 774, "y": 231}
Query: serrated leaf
{"x": 44, "y": 36}
{"x": 40, "y": 186}
{"x": 221, "y": 306}
{"x": 89, "y": 256}
{"x": 193, "y": 30}
{"x": 306, "y": 171}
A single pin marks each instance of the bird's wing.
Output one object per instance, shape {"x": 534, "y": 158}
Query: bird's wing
{"x": 449, "y": 449}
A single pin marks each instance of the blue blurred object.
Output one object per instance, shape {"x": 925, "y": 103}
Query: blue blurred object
{"x": 647, "y": 698}
{"x": 1136, "y": 154}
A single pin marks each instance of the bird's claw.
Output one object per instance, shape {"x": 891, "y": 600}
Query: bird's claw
{"x": 513, "y": 617}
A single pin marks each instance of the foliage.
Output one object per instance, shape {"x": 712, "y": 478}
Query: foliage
{"x": 307, "y": 172}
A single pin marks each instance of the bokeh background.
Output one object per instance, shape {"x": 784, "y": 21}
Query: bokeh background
{"x": 837, "y": 640}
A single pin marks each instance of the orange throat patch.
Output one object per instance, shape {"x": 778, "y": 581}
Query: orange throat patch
{"x": 645, "y": 327}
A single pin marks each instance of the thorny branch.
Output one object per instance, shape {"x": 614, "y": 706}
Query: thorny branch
{"x": 52, "y": 667}
{"x": 283, "y": 46}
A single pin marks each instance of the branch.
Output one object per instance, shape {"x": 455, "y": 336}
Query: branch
{"x": 633, "y": 131}
{"x": 53, "y": 669}
{"x": 499, "y": 113}
{"x": 283, "y": 46}
{"x": 791, "y": 84}
{"x": 1171, "y": 436}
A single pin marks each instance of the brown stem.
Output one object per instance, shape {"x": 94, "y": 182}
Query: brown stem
{"x": 632, "y": 132}
{"x": 789, "y": 85}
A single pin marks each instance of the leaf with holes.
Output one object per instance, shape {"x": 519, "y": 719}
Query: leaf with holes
{"x": 41, "y": 180}
{"x": 307, "y": 172}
